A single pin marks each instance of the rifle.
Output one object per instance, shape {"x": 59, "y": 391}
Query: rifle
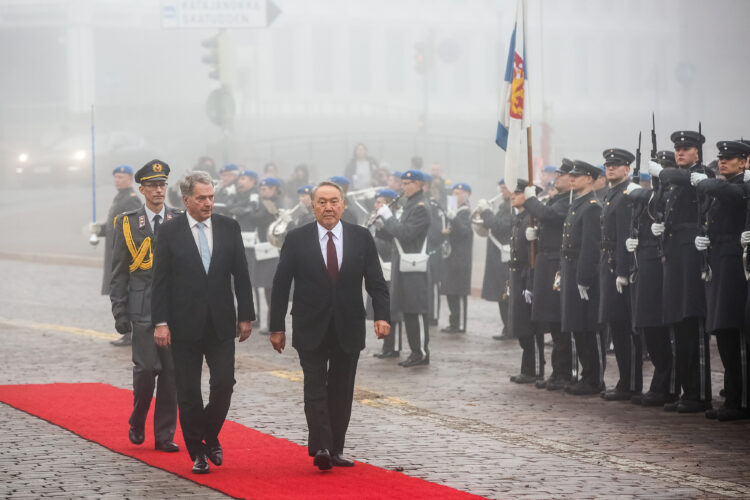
{"x": 703, "y": 209}
{"x": 658, "y": 214}
{"x": 635, "y": 217}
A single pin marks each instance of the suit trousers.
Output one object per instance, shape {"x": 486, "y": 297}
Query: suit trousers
{"x": 693, "y": 359}
{"x": 153, "y": 367}
{"x": 532, "y": 359}
{"x": 202, "y": 424}
{"x": 629, "y": 356}
{"x": 329, "y": 374}
{"x": 733, "y": 349}
{"x": 591, "y": 353}
{"x": 659, "y": 348}
{"x": 561, "y": 353}
{"x": 457, "y": 307}
{"x": 418, "y": 334}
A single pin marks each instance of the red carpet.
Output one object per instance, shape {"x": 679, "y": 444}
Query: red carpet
{"x": 256, "y": 465}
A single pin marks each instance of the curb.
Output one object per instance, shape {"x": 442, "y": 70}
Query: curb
{"x": 44, "y": 258}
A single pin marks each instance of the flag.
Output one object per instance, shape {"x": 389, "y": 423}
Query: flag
{"x": 513, "y": 109}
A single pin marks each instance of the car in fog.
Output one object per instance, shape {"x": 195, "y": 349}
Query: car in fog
{"x": 68, "y": 160}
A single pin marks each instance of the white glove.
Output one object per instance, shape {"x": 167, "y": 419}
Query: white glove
{"x": 657, "y": 228}
{"x": 254, "y": 198}
{"x": 532, "y": 233}
{"x": 483, "y": 205}
{"x": 621, "y": 282}
{"x": 702, "y": 243}
{"x": 632, "y": 186}
{"x": 746, "y": 176}
{"x": 654, "y": 168}
{"x": 584, "y": 292}
{"x": 385, "y": 212}
{"x": 528, "y": 296}
{"x": 379, "y": 224}
{"x": 529, "y": 192}
{"x": 631, "y": 244}
{"x": 451, "y": 214}
{"x": 745, "y": 238}
{"x": 94, "y": 227}
{"x": 696, "y": 178}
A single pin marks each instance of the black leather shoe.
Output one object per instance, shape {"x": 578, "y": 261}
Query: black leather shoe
{"x": 338, "y": 460}
{"x": 200, "y": 466}
{"x": 725, "y": 414}
{"x": 416, "y": 362}
{"x": 556, "y": 384}
{"x": 168, "y": 446}
{"x": 657, "y": 399}
{"x": 637, "y": 399}
{"x": 584, "y": 388}
{"x": 215, "y": 454}
{"x": 712, "y": 413}
{"x": 672, "y": 405}
{"x": 389, "y": 354}
{"x": 450, "y": 329}
{"x": 407, "y": 360}
{"x": 692, "y": 406}
{"x": 502, "y": 337}
{"x": 523, "y": 379}
{"x": 617, "y": 395}
{"x": 136, "y": 435}
{"x": 541, "y": 384}
{"x": 125, "y": 340}
{"x": 322, "y": 460}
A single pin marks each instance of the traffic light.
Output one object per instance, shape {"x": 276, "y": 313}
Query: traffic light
{"x": 423, "y": 57}
{"x": 218, "y": 58}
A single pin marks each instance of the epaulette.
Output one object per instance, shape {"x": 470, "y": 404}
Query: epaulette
{"x": 593, "y": 201}
{"x": 132, "y": 193}
{"x": 420, "y": 203}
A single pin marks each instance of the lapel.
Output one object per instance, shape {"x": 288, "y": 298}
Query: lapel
{"x": 347, "y": 240}
{"x": 215, "y": 233}
{"x": 189, "y": 241}
{"x": 321, "y": 263}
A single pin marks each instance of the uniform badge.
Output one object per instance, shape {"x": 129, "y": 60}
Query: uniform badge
{"x": 157, "y": 167}
{"x": 169, "y": 216}
{"x": 141, "y": 221}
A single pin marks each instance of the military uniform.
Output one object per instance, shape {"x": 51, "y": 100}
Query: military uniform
{"x": 615, "y": 263}
{"x": 125, "y": 200}
{"x": 496, "y": 271}
{"x": 130, "y": 295}
{"x": 683, "y": 290}
{"x": 225, "y": 193}
{"x": 437, "y": 240}
{"x": 530, "y": 336}
{"x": 410, "y": 294}
{"x": 545, "y": 309}
{"x": 579, "y": 263}
{"x": 455, "y": 281}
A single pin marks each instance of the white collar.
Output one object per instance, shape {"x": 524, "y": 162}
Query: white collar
{"x": 151, "y": 214}
{"x": 337, "y": 231}
{"x": 192, "y": 222}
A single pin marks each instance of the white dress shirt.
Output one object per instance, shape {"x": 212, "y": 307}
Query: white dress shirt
{"x": 150, "y": 215}
{"x": 338, "y": 242}
{"x": 207, "y": 230}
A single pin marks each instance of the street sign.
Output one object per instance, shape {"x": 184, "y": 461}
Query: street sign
{"x": 218, "y": 13}
{"x": 220, "y": 107}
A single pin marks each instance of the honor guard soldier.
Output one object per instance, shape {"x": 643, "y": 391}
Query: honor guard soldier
{"x": 130, "y": 294}
{"x": 726, "y": 291}
{"x": 545, "y": 308}
{"x": 409, "y": 272}
{"x": 438, "y": 246}
{"x": 350, "y": 214}
{"x": 227, "y": 188}
{"x": 579, "y": 280}
{"x": 530, "y": 337}
{"x": 684, "y": 294}
{"x": 495, "y": 226}
{"x": 614, "y": 277}
{"x": 392, "y": 343}
{"x": 646, "y": 290}
{"x": 456, "y": 279}
{"x": 303, "y": 214}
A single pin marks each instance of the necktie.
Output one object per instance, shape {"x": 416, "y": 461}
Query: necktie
{"x": 205, "y": 250}
{"x": 157, "y": 223}
{"x": 332, "y": 262}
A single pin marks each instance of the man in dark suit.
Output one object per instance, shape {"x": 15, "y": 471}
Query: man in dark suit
{"x": 130, "y": 293}
{"x": 328, "y": 315}
{"x": 197, "y": 257}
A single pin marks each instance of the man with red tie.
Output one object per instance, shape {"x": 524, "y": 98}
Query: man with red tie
{"x": 328, "y": 315}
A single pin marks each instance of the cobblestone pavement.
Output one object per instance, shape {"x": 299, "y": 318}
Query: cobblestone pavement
{"x": 457, "y": 422}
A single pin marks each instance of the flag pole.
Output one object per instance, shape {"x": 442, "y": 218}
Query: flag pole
{"x": 530, "y": 170}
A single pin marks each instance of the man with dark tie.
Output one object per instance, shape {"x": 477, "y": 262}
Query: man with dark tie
{"x": 328, "y": 315}
{"x": 199, "y": 255}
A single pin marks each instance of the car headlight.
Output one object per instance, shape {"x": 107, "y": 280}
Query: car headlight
{"x": 80, "y": 155}
{"x": 23, "y": 158}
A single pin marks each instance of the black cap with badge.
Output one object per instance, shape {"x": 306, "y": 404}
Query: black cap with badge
{"x": 583, "y": 168}
{"x": 617, "y": 156}
{"x": 565, "y": 167}
{"x": 153, "y": 170}
{"x": 733, "y": 149}
{"x": 687, "y": 139}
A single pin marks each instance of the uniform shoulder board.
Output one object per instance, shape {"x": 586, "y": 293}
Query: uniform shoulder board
{"x": 132, "y": 193}
{"x": 593, "y": 201}
{"x": 420, "y": 203}
{"x": 130, "y": 212}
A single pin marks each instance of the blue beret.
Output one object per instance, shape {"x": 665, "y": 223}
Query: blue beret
{"x": 123, "y": 169}
{"x": 340, "y": 180}
{"x": 501, "y": 181}
{"x": 550, "y": 169}
{"x": 306, "y": 189}
{"x": 387, "y": 193}
{"x": 249, "y": 173}
{"x": 229, "y": 167}
{"x": 601, "y": 167}
{"x": 645, "y": 176}
{"x": 413, "y": 175}
{"x": 427, "y": 177}
{"x": 270, "y": 181}
{"x": 463, "y": 186}
{"x": 397, "y": 174}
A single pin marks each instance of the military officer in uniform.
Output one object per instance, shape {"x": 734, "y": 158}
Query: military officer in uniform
{"x": 456, "y": 279}
{"x": 303, "y": 214}
{"x": 437, "y": 243}
{"x": 410, "y": 288}
{"x": 726, "y": 292}
{"x": 496, "y": 273}
{"x": 579, "y": 280}
{"x": 227, "y": 188}
{"x": 683, "y": 290}
{"x": 125, "y": 200}
{"x": 545, "y": 309}
{"x": 130, "y": 294}
{"x": 351, "y": 214}
{"x": 614, "y": 277}
{"x": 530, "y": 336}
